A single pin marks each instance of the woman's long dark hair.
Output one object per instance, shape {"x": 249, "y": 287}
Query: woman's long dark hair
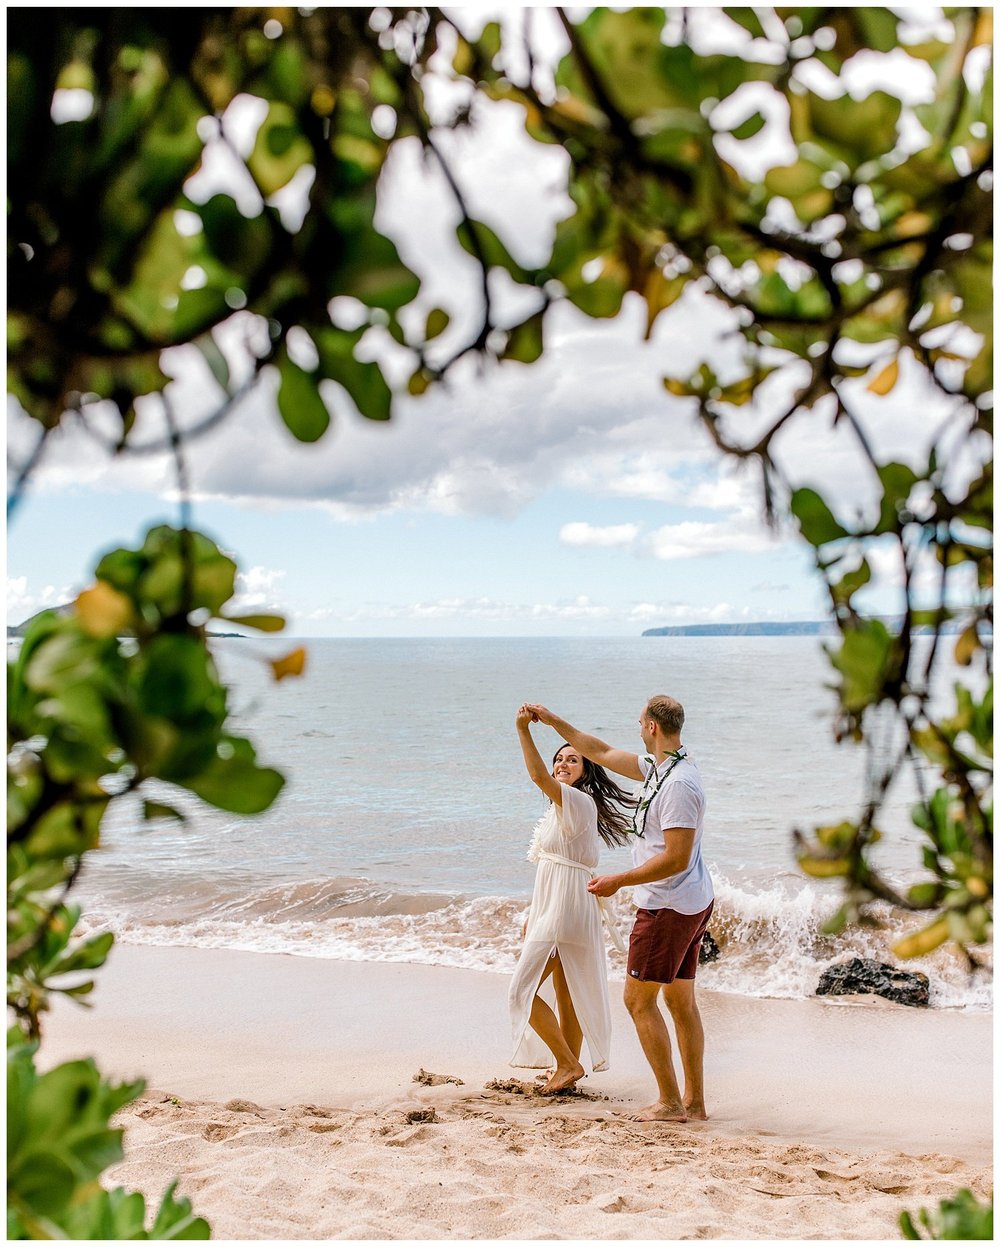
{"x": 613, "y": 825}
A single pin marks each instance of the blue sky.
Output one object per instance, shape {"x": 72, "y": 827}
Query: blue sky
{"x": 571, "y": 497}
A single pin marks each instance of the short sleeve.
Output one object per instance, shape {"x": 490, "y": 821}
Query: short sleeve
{"x": 680, "y": 805}
{"x": 645, "y": 764}
{"x": 579, "y": 813}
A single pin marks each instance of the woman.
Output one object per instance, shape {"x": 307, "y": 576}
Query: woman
{"x": 563, "y": 936}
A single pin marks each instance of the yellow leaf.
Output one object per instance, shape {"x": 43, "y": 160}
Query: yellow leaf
{"x": 886, "y": 379}
{"x": 824, "y": 867}
{"x": 103, "y": 611}
{"x": 984, "y": 29}
{"x": 292, "y": 664}
{"x": 966, "y": 645}
{"x": 910, "y": 224}
{"x": 262, "y": 623}
{"x": 924, "y": 941}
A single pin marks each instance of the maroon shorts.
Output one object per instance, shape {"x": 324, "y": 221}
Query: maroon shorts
{"x": 665, "y": 944}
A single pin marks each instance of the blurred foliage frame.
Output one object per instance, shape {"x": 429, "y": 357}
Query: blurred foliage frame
{"x": 864, "y": 258}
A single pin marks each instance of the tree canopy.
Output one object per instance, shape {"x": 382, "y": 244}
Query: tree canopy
{"x": 844, "y": 228}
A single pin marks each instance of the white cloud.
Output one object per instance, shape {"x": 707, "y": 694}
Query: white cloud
{"x": 258, "y": 586}
{"x": 582, "y": 534}
{"x": 23, "y": 601}
{"x": 693, "y": 539}
{"x": 681, "y": 613}
{"x": 488, "y": 443}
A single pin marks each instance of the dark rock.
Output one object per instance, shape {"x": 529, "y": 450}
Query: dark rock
{"x": 848, "y": 978}
{"x": 709, "y": 950}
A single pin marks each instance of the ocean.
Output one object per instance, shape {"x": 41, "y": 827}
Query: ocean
{"x": 402, "y": 831}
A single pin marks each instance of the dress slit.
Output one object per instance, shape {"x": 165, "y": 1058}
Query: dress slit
{"x": 564, "y": 918}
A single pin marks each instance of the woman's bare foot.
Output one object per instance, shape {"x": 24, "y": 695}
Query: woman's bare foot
{"x": 696, "y": 1112}
{"x": 563, "y": 1080}
{"x": 659, "y": 1112}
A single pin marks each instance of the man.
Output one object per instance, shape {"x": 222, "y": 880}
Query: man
{"x": 675, "y": 899}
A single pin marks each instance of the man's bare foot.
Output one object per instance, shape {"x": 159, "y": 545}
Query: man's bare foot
{"x": 563, "y": 1080}
{"x": 658, "y": 1112}
{"x": 696, "y": 1112}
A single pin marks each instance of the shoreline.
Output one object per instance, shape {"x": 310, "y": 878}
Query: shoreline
{"x": 279, "y": 1089}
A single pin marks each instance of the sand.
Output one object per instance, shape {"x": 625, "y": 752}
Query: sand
{"x": 281, "y": 1093}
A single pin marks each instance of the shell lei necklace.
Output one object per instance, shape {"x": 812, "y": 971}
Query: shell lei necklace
{"x": 677, "y": 755}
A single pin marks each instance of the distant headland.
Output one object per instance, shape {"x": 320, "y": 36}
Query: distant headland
{"x": 806, "y": 627}
{"x": 788, "y": 627}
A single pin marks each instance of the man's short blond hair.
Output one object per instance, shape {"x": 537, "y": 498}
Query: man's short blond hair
{"x": 667, "y": 712}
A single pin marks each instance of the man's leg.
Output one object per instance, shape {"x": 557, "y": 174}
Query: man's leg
{"x": 641, "y": 1002}
{"x": 680, "y": 999}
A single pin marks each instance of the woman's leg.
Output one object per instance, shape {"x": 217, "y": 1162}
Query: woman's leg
{"x": 568, "y": 1021}
{"x": 545, "y": 1024}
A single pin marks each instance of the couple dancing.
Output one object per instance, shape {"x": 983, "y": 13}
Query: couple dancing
{"x": 563, "y": 940}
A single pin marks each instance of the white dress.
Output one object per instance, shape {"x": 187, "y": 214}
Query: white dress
{"x": 565, "y": 918}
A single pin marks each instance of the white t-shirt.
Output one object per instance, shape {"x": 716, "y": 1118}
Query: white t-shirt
{"x": 678, "y": 802}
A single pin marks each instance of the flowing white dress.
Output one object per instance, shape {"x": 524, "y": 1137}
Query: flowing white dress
{"x": 565, "y": 918}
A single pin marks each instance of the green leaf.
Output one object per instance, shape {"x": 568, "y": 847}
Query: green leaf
{"x": 816, "y": 520}
{"x": 175, "y": 678}
{"x": 794, "y": 181}
{"x": 156, "y": 809}
{"x": 747, "y": 18}
{"x": 477, "y": 238}
{"x": 300, "y": 402}
{"x": 88, "y": 954}
{"x": 878, "y": 27}
{"x": 280, "y": 149}
{"x": 862, "y": 661}
{"x": 601, "y": 298}
{"x": 860, "y": 129}
{"x": 368, "y": 266}
{"x": 751, "y": 126}
{"x": 849, "y": 584}
{"x": 437, "y": 322}
{"x": 42, "y": 1183}
{"x": 240, "y": 243}
{"x": 174, "y": 1220}
{"x": 363, "y": 380}
{"x": 524, "y": 341}
{"x": 897, "y": 483}
{"x": 233, "y": 781}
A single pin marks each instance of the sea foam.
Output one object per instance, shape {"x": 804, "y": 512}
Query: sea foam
{"x": 770, "y": 938}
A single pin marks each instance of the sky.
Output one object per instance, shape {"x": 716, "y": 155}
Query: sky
{"x": 572, "y": 497}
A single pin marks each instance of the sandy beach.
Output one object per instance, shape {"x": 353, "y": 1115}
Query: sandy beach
{"x": 282, "y": 1094}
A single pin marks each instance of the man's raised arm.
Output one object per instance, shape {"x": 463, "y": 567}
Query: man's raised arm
{"x": 618, "y": 760}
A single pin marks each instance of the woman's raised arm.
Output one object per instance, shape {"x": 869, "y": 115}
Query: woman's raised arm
{"x": 538, "y": 772}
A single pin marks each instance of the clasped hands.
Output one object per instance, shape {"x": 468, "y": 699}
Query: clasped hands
{"x": 531, "y": 713}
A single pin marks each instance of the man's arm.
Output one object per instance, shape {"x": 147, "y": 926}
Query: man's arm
{"x": 618, "y": 760}
{"x": 678, "y": 843}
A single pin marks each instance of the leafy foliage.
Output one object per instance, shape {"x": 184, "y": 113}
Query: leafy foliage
{"x": 58, "y": 1144}
{"x": 961, "y": 1217}
{"x": 120, "y": 690}
{"x": 860, "y": 256}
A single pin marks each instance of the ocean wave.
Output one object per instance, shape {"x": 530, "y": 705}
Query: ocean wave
{"x": 769, "y": 936}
